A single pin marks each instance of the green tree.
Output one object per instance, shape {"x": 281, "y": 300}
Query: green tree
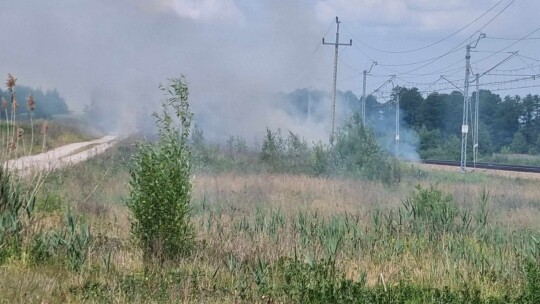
{"x": 519, "y": 144}
{"x": 410, "y": 104}
{"x": 160, "y": 185}
{"x": 48, "y": 103}
{"x": 430, "y": 140}
{"x": 506, "y": 121}
{"x": 433, "y": 111}
{"x": 528, "y": 110}
{"x": 484, "y": 140}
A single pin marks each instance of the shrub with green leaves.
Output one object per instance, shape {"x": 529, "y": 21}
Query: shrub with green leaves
{"x": 431, "y": 210}
{"x": 357, "y": 152}
{"x": 319, "y": 163}
{"x": 285, "y": 154}
{"x": 160, "y": 185}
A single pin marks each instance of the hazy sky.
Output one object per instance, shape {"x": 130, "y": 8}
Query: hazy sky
{"x": 236, "y": 53}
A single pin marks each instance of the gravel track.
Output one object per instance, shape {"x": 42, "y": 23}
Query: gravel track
{"x": 62, "y": 156}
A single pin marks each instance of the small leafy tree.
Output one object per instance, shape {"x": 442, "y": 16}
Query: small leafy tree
{"x": 320, "y": 159}
{"x": 272, "y": 148}
{"x": 356, "y": 152}
{"x": 160, "y": 186}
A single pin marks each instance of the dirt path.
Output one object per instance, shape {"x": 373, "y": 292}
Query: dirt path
{"x": 62, "y": 156}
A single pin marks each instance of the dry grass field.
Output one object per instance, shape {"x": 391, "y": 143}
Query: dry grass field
{"x": 262, "y": 237}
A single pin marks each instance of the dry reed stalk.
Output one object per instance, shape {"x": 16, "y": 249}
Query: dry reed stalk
{"x": 31, "y": 104}
{"x": 14, "y": 108}
{"x": 10, "y": 84}
{"x": 44, "y": 128}
{"x": 4, "y": 107}
{"x": 20, "y": 133}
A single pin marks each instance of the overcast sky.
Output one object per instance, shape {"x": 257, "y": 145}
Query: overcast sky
{"x": 237, "y": 53}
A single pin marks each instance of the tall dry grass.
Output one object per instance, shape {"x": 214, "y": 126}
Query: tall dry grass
{"x": 241, "y": 219}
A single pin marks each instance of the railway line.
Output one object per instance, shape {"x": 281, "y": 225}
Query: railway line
{"x": 488, "y": 166}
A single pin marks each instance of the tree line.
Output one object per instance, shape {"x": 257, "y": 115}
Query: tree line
{"x": 48, "y": 102}
{"x": 509, "y": 124}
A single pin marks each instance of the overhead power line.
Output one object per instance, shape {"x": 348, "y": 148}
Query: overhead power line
{"x": 438, "y": 41}
{"x": 459, "y": 45}
{"x": 510, "y": 45}
{"x": 435, "y": 59}
{"x": 512, "y": 39}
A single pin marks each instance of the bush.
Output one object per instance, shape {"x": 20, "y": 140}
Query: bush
{"x": 272, "y": 148}
{"x": 160, "y": 186}
{"x": 431, "y": 210}
{"x": 285, "y": 154}
{"x": 320, "y": 159}
{"x": 357, "y": 152}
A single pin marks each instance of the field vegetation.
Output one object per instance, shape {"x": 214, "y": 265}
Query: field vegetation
{"x": 289, "y": 222}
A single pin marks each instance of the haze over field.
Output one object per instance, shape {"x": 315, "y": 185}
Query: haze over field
{"x": 237, "y": 54}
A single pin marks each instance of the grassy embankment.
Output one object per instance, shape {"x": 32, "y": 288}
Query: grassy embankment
{"x": 47, "y": 135}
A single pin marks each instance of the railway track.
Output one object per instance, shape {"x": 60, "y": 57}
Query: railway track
{"x": 489, "y": 166}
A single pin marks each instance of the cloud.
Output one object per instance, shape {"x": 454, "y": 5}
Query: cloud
{"x": 368, "y": 11}
{"x": 200, "y": 10}
{"x": 420, "y": 14}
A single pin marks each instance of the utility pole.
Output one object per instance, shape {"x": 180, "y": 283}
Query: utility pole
{"x": 363, "y": 101}
{"x": 396, "y": 152}
{"x": 475, "y": 129}
{"x": 336, "y": 44}
{"x": 466, "y": 105}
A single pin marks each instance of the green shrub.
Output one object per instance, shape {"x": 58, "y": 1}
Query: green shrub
{"x": 316, "y": 282}
{"x": 273, "y": 148}
{"x": 431, "y": 210}
{"x": 285, "y": 154}
{"x": 320, "y": 159}
{"x": 356, "y": 152}
{"x": 160, "y": 185}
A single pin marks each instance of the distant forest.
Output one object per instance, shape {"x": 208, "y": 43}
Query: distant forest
{"x": 48, "y": 103}
{"x": 506, "y": 125}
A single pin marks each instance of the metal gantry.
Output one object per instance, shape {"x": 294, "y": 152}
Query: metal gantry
{"x": 466, "y": 105}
